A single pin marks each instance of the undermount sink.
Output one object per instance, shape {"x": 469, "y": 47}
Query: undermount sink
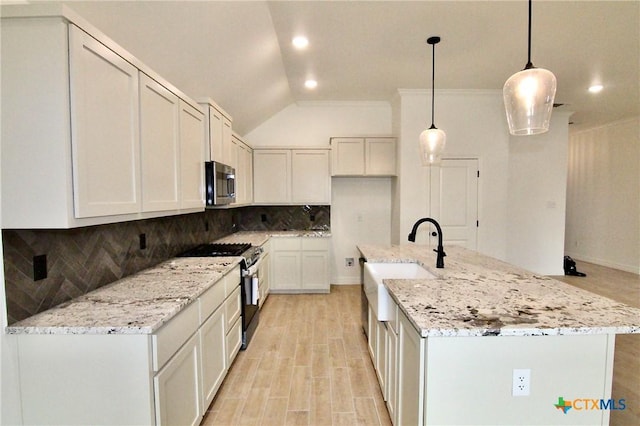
{"x": 377, "y": 294}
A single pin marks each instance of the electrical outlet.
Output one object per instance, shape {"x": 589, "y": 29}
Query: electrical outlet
{"x": 39, "y": 267}
{"x": 521, "y": 382}
{"x": 348, "y": 262}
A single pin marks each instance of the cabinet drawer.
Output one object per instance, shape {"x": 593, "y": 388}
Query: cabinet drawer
{"x": 315, "y": 244}
{"x": 211, "y": 299}
{"x": 232, "y": 308}
{"x": 173, "y": 334}
{"x": 231, "y": 281}
{"x": 285, "y": 244}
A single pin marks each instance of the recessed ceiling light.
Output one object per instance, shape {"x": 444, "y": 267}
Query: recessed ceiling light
{"x": 310, "y": 84}
{"x": 596, "y": 88}
{"x": 300, "y": 42}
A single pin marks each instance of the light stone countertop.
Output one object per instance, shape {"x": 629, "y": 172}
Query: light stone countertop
{"x": 258, "y": 238}
{"x": 138, "y": 304}
{"x": 476, "y": 295}
{"x": 141, "y": 303}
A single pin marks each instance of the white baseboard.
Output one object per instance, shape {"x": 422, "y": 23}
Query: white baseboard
{"x": 345, "y": 280}
{"x": 634, "y": 269}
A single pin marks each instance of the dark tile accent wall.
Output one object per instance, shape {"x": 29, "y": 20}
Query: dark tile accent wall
{"x": 284, "y": 218}
{"x": 83, "y": 259}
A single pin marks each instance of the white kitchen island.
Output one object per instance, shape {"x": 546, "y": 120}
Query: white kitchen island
{"x": 451, "y": 347}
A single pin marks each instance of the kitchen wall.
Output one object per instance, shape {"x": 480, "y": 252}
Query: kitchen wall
{"x": 521, "y": 189}
{"x": 521, "y": 192}
{"x": 603, "y": 196}
{"x": 360, "y": 209}
{"x": 83, "y": 259}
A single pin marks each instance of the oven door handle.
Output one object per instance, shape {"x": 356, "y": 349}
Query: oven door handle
{"x": 253, "y": 269}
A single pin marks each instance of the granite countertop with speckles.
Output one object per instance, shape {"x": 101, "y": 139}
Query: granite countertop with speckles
{"x": 138, "y": 304}
{"x": 141, "y": 303}
{"x": 258, "y": 238}
{"x": 476, "y": 295}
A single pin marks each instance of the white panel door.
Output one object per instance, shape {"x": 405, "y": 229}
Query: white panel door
{"x": 160, "y": 145}
{"x": 191, "y": 157}
{"x": 104, "y": 131}
{"x": 454, "y": 201}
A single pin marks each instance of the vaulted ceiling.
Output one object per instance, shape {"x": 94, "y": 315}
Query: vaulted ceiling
{"x": 239, "y": 53}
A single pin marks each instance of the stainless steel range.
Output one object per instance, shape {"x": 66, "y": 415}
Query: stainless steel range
{"x": 248, "y": 281}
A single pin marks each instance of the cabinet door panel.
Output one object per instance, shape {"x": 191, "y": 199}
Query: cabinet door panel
{"x": 380, "y": 156}
{"x": 347, "y": 156}
{"x": 315, "y": 270}
{"x": 410, "y": 374}
{"x": 286, "y": 270}
{"x": 227, "y": 149}
{"x": 215, "y": 135}
{"x": 104, "y": 132}
{"x": 310, "y": 178}
{"x": 191, "y": 157}
{"x": 214, "y": 355}
{"x": 159, "y": 140}
{"x": 271, "y": 176}
{"x": 177, "y": 388}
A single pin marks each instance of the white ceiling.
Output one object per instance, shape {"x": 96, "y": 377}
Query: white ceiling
{"x": 239, "y": 53}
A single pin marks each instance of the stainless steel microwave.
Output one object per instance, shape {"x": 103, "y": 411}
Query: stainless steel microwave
{"x": 220, "y": 183}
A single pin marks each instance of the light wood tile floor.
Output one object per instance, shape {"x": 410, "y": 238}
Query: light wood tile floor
{"x": 307, "y": 364}
{"x": 623, "y": 287}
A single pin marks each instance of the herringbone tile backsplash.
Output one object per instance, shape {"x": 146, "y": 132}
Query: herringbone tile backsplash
{"x": 83, "y": 259}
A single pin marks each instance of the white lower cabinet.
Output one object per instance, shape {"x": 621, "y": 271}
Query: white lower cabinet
{"x": 411, "y": 353}
{"x": 398, "y": 353}
{"x": 166, "y": 378}
{"x": 392, "y": 372}
{"x": 300, "y": 264}
{"x": 213, "y": 347}
{"x": 264, "y": 271}
{"x": 178, "y": 387}
{"x": 233, "y": 327}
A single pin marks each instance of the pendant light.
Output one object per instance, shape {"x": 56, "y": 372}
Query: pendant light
{"x": 432, "y": 140}
{"x": 528, "y": 97}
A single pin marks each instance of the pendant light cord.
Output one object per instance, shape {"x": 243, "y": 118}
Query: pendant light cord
{"x": 529, "y": 64}
{"x": 433, "y": 85}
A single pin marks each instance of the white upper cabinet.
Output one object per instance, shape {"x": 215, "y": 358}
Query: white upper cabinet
{"x": 363, "y": 156}
{"x": 243, "y": 164}
{"x": 380, "y": 156}
{"x": 310, "y": 178}
{"x": 347, "y": 156}
{"x": 271, "y": 176}
{"x": 104, "y": 128}
{"x": 191, "y": 157}
{"x": 218, "y": 132}
{"x": 89, "y": 131}
{"x": 291, "y": 176}
{"x": 160, "y": 142}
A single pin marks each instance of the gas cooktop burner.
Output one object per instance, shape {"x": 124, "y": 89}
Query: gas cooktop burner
{"x": 216, "y": 250}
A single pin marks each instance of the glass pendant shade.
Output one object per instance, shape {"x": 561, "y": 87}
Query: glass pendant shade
{"x": 528, "y": 100}
{"x": 432, "y": 142}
